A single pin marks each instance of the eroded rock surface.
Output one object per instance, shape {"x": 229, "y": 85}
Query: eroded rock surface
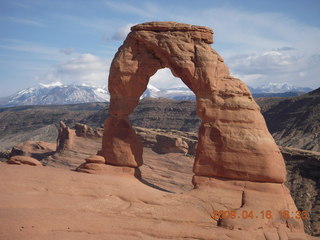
{"x": 65, "y": 137}
{"x": 83, "y": 130}
{"x": 167, "y": 172}
{"x": 35, "y": 149}
{"x": 235, "y": 150}
{"x": 234, "y": 141}
{"x": 168, "y": 144}
{"x": 20, "y": 160}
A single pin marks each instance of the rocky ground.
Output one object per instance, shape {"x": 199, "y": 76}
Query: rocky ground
{"x": 50, "y": 202}
{"x": 293, "y": 121}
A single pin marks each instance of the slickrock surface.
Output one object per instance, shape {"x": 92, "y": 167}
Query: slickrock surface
{"x": 112, "y": 204}
{"x": 53, "y": 203}
{"x": 238, "y": 167}
{"x": 234, "y": 141}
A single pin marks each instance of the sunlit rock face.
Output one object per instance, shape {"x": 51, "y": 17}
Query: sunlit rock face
{"x": 234, "y": 142}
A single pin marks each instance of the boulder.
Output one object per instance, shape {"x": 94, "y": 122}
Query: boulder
{"x": 95, "y": 159}
{"x": 20, "y": 160}
{"x": 170, "y": 144}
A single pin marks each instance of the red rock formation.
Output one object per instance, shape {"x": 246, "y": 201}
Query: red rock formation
{"x": 65, "y": 137}
{"x": 234, "y": 142}
{"x": 19, "y": 160}
{"x": 83, "y": 130}
{"x": 120, "y": 144}
{"x": 235, "y": 151}
{"x": 170, "y": 144}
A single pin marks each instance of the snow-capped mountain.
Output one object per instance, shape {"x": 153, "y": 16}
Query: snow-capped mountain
{"x": 151, "y": 91}
{"x": 278, "y": 88}
{"x": 178, "y": 93}
{"x": 58, "y": 93}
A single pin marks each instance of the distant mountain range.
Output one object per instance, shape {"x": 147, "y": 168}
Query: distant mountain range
{"x": 57, "y": 93}
{"x": 278, "y": 90}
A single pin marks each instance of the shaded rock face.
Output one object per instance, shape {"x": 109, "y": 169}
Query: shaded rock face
{"x": 304, "y": 181}
{"x": 234, "y": 142}
{"x": 295, "y": 122}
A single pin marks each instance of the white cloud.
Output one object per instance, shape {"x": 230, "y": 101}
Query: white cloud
{"x": 24, "y": 21}
{"x": 163, "y": 78}
{"x": 260, "y": 47}
{"x": 276, "y": 66}
{"x": 270, "y": 62}
{"x": 53, "y": 84}
{"x": 84, "y": 69}
{"x": 122, "y": 32}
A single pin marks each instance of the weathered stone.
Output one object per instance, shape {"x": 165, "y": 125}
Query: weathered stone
{"x": 259, "y": 205}
{"x": 234, "y": 141}
{"x": 35, "y": 149}
{"x": 83, "y": 130}
{"x": 65, "y": 137}
{"x": 121, "y": 146}
{"x": 170, "y": 144}
{"x": 19, "y": 160}
{"x": 96, "y": 168}
{"x": 95, "y": 159}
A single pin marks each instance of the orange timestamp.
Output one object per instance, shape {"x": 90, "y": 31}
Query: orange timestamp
{"x": 264, "y": 214}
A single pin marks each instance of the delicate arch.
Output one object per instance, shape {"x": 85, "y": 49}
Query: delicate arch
{"x": 234, "y": 141}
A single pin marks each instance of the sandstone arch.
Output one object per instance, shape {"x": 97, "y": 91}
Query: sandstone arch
{"x": 234, "y": 142}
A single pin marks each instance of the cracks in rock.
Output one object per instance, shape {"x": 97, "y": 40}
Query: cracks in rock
{"x": 242, "y": 199}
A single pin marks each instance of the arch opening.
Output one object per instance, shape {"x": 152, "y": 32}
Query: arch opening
{"x": 163, "y": 84}
{"x": 161, "y": 124}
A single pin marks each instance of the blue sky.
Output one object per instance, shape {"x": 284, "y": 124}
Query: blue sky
{"x": 74, "y": 41}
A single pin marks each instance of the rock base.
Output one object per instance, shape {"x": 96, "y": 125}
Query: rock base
{"x": 97, "y": 168}
{"x": 256, "y": 205}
